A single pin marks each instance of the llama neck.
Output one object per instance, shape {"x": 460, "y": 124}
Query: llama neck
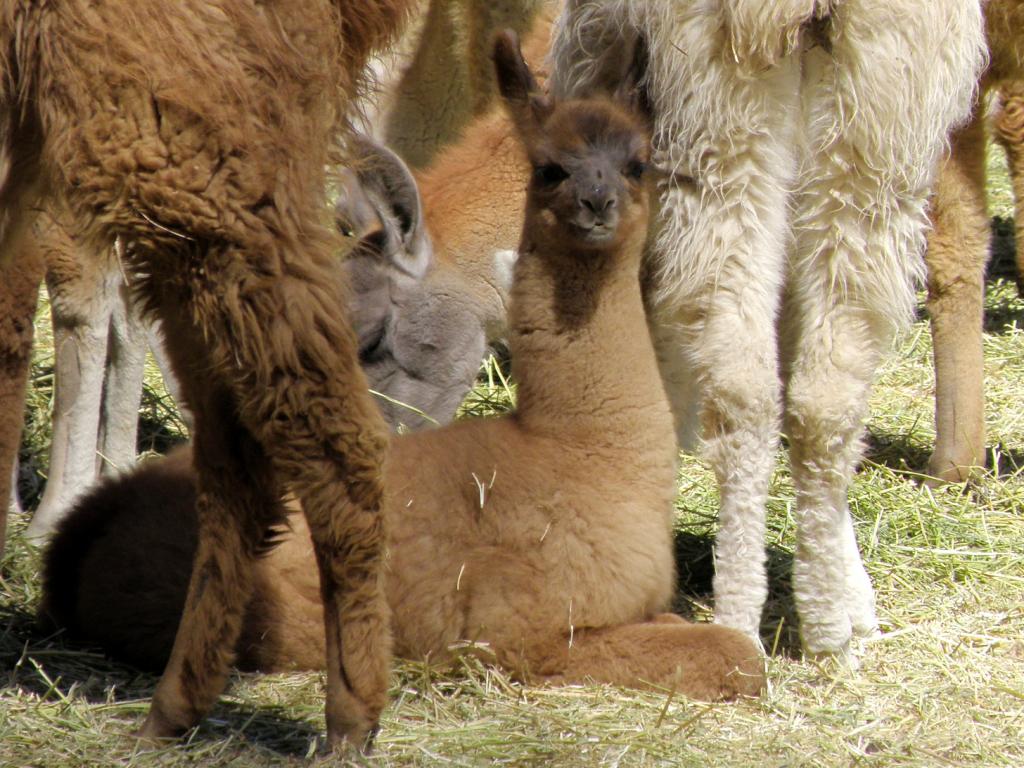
{"x": 581, "y": 351}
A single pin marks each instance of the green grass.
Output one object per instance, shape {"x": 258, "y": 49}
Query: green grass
{"x": 944, "y": 685}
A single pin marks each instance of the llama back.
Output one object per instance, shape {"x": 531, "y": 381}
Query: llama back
{"x": 117, "y": 570}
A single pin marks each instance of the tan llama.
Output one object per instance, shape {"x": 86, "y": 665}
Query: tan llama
{"x": 958, "y": 248}
{"x": 199, "y": 133}
{"x": 448, "y": 80}
{"x": 19, "y": 287}
{"x": 542, "y": 539}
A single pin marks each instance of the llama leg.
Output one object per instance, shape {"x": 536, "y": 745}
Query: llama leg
{"x": 870, "y": 154}
{"x": 1009, "y": 125}
{"x": 957, "y": 252}
{"x": 700, "y": 661}
{"x": 122, "y": 385}
{"x": 280, "y": 340}
{"x": 235, "y": 506}
{"x": 14, "y": 506}
{"x": 415, "y": 127}
{"x": 723, "y": 152}
{"x": 158, "y": 346}
{"x": 81, "y": 316}
{"x": 19, "y": 288}
{"x": 355, "y": 616}
{"x": 826, "y": 403}
{"x": 740, "y": 418}
{"x": 680, "y": 377}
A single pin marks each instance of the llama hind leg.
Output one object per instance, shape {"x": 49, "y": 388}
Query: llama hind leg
{"x": 826, "y": 404}
{"x": 702, "y": 661}
{"x": 870, "y": 154}
{"x": 235, "y": 506}
{"x": 957, "y": 253}
{"x": 740, "y": 419}
{"x": 355, "y": 620}
{"x": 280, "y": 341}
{"x": 19, "y": 288}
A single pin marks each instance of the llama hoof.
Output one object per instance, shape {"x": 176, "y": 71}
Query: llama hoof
{"x": 351, "y": 743}
{"x": 841, "y": 658}
{"x": 943, "y": 471}
{"x": 157, "y": 730}
{"x": 842, "y": 652}
{"x": 860, "y": 608}
{"x": 828, "y": 638}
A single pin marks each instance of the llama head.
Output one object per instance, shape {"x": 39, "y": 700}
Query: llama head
{"x": 587, "y": 191}
{"x": 420, "y": 341}
{"x": 378, "y": 209}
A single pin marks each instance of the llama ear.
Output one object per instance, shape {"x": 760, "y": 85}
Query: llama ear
{"x": 380, "y": 205}
{"x": 525, "y": 102}
{"x": 632, "y": 92}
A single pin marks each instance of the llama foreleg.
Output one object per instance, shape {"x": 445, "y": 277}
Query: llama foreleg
{"x": 1009, "y": 125}
{"x": 958, "y": 248}
{"x": 700, "y": 661}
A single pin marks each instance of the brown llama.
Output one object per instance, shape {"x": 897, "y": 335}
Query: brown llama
{"x": 19, "y": 287}
{"x": 958, "y": 249}
{"x": 460, "y": 300}
{"x": 541, "y": 540}
{"x": 199, "y": 133}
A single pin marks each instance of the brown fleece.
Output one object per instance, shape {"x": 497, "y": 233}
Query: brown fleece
{"x": 199, "y": 133}
{"x": 958, "y": 249}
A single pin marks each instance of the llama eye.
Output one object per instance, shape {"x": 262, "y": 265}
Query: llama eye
{"x": 635, "y": 169}
{"x": 550, "y": 174}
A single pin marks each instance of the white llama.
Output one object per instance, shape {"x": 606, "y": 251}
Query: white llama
{"x": 796, "y": 143}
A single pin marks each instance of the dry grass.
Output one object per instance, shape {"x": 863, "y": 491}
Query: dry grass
{"x": 944, "y": 685}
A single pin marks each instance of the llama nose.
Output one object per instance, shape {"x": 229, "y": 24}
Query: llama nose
{"x": 599, "y": 200}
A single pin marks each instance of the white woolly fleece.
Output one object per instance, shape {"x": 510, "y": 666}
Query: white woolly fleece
{"x": 794, "y": 172}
